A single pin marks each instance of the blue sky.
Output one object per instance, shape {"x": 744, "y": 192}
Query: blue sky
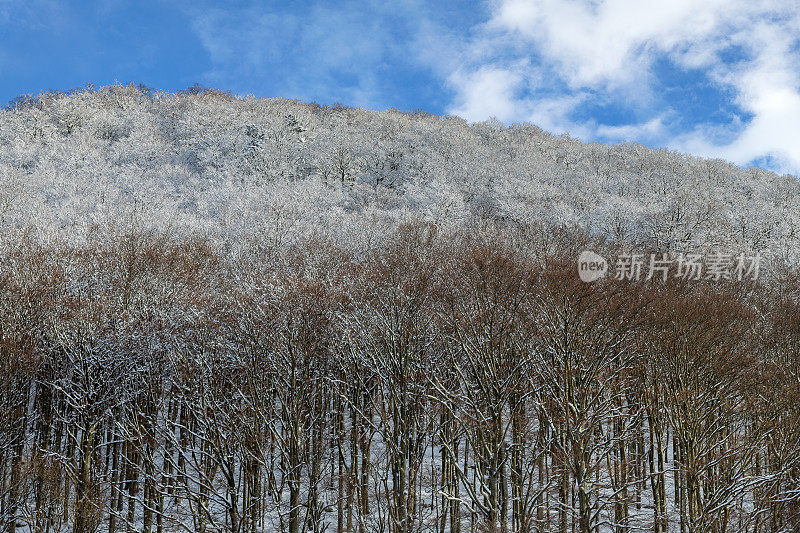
{"x": 718, "y": 78}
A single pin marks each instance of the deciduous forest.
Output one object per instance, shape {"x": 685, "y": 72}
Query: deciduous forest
{"x": 247, "y": 315}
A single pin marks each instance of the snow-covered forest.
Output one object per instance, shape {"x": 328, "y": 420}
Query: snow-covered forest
{"x": 267, "y": 173}
{"x": 255, "y": 315}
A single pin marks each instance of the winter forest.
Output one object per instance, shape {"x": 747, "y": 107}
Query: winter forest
{"x": 234, "y": 314}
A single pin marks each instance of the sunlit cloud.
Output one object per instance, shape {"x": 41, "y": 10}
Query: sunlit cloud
{"x": 533, "y": 56}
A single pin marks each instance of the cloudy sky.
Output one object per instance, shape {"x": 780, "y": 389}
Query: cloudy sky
{"x": 717, "y": 78}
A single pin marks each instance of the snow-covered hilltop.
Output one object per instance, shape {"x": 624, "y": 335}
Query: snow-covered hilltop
{"x": 206, "y": 161}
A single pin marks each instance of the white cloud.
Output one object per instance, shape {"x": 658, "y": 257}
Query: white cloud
{"x": 607, "y": 49}
{"x": 608, "y": 41}
{"x": 652, "y": 130}
{"x": 493, "y": 92}
{"x": 487, "y": 92}
{"x": 768, "y": 88}
{"x": 324, "y": 50}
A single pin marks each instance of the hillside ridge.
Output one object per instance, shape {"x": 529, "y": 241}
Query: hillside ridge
{"x": 205, "y": 160}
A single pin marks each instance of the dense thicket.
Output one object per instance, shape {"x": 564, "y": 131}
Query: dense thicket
{"x": 445, "y": 382}
{"x": 279, "y": 170}
{"x": 239, "y": 314}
